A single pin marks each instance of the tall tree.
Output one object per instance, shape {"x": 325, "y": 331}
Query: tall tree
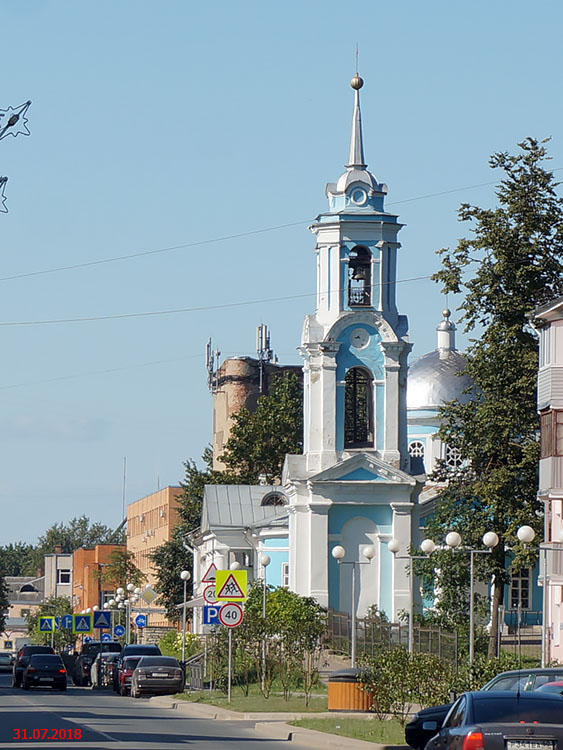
{"x": 510, "y": 264}
{"x": 4, "y": 603}
{"x": 261, "y": 439}
{"x": 121, "y": 569}
{"x": 17, "y": 559}
{"x": 55, "y": 606}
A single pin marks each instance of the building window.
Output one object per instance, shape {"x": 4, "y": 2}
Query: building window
{"x": 359, "y": 277}
{"x": 285, "y": 575}
{"x": 274, "y": 498}
{"x": 453, "y": 457}
{"x": 520, "y": 589}
{"x": 63, "y": 575}
{"x": 551, "y": 433}
{"x": 416, "y": 452}
{"x": 358, "y": 409}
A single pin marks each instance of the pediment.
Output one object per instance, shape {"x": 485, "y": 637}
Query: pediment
{"x": 363, "y": 467}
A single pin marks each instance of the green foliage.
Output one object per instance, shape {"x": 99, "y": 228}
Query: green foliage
{"x": 292, "y": 631}
{"x": 260, "y": 440}
{"x": 4, "y": 603}
{"x": 169, "y": 560}
{"x": 55, "y": 606}
{"x": 510, "y": 264}
{"x": 17, "y": 559}
{"x": 171, "y": 644}
{"x": 121, "y": 569}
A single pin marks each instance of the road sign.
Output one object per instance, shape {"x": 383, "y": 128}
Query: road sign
{"x": 231, "y": 614}
{"x": 119, "y": 631}
{"x": 209, "y": 594}
{"x": 106, "y": 637}
{"x": 211, "y": 615}
{"x": 87, "y": 638}
{"x": 82, "y": 624}
{"x": 102, "y": 619}
{"x": 66, "y": 622}
{"x": 141, "y": 621}
{"x": 230, "y": 585}
{"x": 8, "y": 644}
{"x": 209, "y": 576}
{"x": 47, "y": 624}
{"x": 57, "y": 623}
{"x": 148, "y": 594}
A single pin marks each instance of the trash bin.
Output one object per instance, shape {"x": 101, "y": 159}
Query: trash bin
{"x": 345, "y": 691}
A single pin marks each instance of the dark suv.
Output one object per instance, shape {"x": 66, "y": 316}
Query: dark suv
{"x": 83, "y": 665}
{"x": 22, "y": 660}
{"x": 133, "y": 649}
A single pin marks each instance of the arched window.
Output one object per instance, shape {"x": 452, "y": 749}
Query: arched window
{"x": 358, "y": 409}
{"x": 453, "y": 457}
{"x": 27, "y": 588}
{"x": 416, "y": 452}
{"x": 274, "y": 498}
{"x": 359, "y": 277}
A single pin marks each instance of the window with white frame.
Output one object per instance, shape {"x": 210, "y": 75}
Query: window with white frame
{"x": 63, "y": 575}
{"x": 416, "y": 452}
{"x": 520, "y": 589}
{"x": 285, "y": 575}
{"x": 453, "y": 457}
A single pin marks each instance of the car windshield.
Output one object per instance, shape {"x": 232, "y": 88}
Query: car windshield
{"x": 158, "y": 661}
{"x": 516, "y": 710}
{"x": 131, "y": 662}
{"x": 51, "y": 659}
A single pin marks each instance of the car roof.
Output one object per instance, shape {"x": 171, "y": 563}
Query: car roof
{"x": 539, "y": 670}
{"x": 488, "y": 695}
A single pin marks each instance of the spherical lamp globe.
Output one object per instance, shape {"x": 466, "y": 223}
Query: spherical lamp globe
{"x": 427, "y": 546}
{"x": 453, "y": 539}
{"x": 526, "y": 534}
{"x": 185, "y": 575}
{"x": 490, "y": 539}
{"x": 369, "y": 552}
{"x": 338, "y": 552}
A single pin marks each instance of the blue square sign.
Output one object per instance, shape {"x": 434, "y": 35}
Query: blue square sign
{"x": 211, "y": 614}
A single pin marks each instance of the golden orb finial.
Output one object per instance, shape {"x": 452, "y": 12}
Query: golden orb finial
{"x": 446, "y": 313}
{"x": 357, "y": 82}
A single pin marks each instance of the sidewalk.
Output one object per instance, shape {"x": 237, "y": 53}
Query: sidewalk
{"x": 273, "y": 726}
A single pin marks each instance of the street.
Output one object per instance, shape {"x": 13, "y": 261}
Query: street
{"x": 100, "y": 719}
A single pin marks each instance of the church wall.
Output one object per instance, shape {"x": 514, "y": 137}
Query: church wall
{"x": 277, "y": 549}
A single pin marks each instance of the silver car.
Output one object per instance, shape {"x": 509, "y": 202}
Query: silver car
{"x": 6, "y": 662}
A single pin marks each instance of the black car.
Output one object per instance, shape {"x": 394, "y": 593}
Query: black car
{"x": 427, "y": 721}
{"x": 501, "y": 720}
{"x": 133, "y": 649}
{"x": 22, "y": 660}
{"x": 44, "y": 670}
{"x": 83, "y": 665}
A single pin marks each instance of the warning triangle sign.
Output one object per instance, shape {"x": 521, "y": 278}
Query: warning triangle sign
{"x": 231, "y": 589}
{"x": 82, "y": 624}
{"x": 209, "y": 576}
{"x": 46, "y": 625}
{"x": 102, "y": 620}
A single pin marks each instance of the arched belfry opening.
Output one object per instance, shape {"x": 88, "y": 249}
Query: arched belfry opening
{"x": 359, "y": 277}
{"x": 358, "y": 409}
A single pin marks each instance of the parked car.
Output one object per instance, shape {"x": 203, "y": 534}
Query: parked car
{"x": 125, "y": 674}
{"x": 22, "y": 660}
{"x": 6, "y": 662}
{"x": 157, "y": 675}
{"x": 101, "y": 673}
{"x": 551, "y": 687}
{"x": 428, "y": 720}
{"x": 133, "y": 649}
{"x": 495, "y": 720}
{"x": 44, "y": 670}
{"x": 83, "y": 665}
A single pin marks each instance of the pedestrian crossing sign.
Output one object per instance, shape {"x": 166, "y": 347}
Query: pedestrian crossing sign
{"x": 82, "y": 624}
{"x": 230, "y": 585}
{"x": 102, "y": 619}
{"x": 47, "y": 624}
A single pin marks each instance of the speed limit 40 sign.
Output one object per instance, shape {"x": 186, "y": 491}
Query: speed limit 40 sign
{"x": 231, "y": 614}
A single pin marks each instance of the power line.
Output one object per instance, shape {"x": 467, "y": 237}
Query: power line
{"x": 224, "y": 238}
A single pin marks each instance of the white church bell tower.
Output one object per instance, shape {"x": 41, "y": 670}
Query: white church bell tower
{"x": 351, "y": 486}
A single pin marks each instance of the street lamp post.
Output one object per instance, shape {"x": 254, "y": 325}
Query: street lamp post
{"x": 428, "y": 547}
{"x": 339, "y": 553}
{"x": 265, "y": 560}
{"x": 185, "y": 575}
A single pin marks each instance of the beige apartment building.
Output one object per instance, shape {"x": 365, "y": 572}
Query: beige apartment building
{"x": 150, "y": 523}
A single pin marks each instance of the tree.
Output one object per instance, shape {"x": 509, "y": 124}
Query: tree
{"x": 261, "y": 439}
{"x": 4, "y": 603}
{"x": 510, "y": 264}
{"x": 55, "y": 606}
{"x": 169, "y": 560}
{"x": 121, "y": 569}
{"x": 17, "y": 559}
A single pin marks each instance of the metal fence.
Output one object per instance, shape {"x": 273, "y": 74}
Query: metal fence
{"x": 372, "y": 634}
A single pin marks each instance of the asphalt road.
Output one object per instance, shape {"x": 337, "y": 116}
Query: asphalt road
{"x": 101, "y": 719}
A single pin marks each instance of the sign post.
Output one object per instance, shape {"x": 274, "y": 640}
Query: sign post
{"x": 230, "y": 665}
{"x": 230, "y": 615}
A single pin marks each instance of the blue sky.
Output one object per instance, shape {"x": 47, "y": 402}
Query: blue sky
{"x": 160, "y": 125}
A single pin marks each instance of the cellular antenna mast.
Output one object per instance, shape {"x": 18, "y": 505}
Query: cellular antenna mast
{"x": 211, "y": 364}
{"x": 265, "y": 353}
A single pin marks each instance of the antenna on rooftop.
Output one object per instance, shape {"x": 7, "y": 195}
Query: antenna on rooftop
{"x": 211, "y": 364}
{"x": 264, "y": 351}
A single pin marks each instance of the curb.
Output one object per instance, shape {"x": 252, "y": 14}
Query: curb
{"x": 313, "y": 738}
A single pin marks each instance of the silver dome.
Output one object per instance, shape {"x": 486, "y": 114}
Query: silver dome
{"x": 433, "y": 380}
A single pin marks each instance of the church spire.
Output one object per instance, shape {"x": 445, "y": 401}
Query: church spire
{"x": 356, "y": 158}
